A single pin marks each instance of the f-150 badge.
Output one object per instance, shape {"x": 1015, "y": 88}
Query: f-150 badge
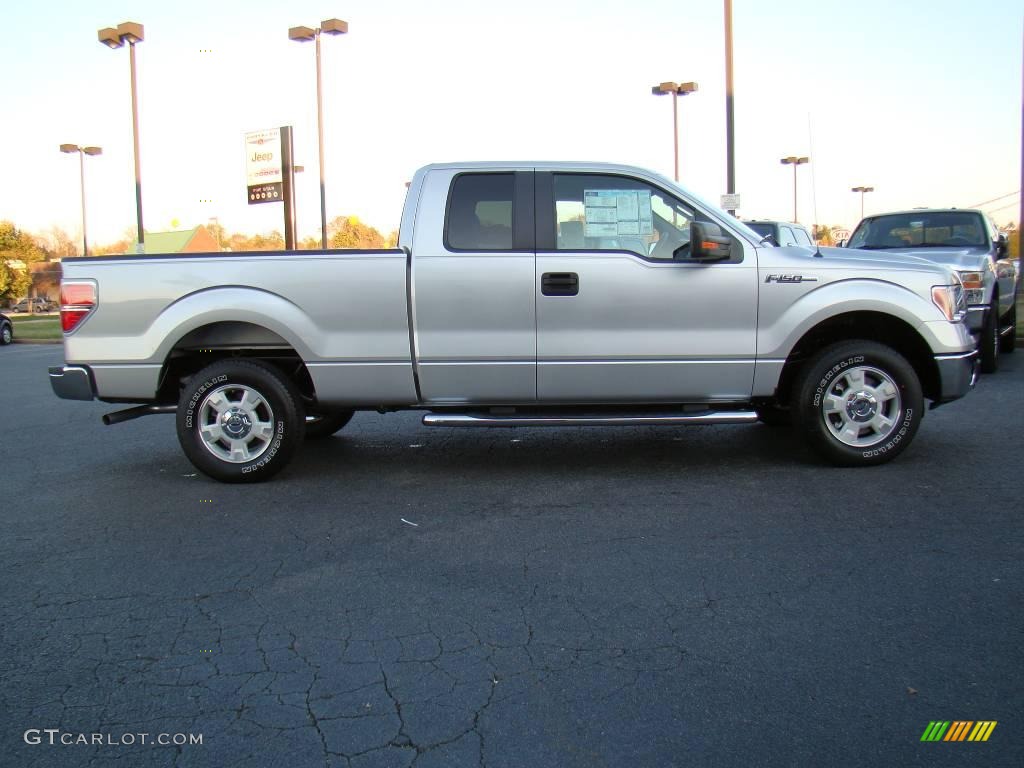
{"x": 790, "y": 279}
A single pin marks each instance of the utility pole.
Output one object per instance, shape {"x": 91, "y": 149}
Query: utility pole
{"x": 730, "y": 106}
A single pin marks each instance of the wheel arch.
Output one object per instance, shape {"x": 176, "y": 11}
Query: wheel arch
{"x": 869, "y": 325}
{"x": 198, "y": 347}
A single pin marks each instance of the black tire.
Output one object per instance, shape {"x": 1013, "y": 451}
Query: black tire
{"x": 988, "y": 345}
{"x": 6, "y": 333}
{"x": 278, "y": 407}
{"x": 774, "y": 415}
{"x": 1008, "y": 342}
{"x": 321, "y": 425}
{"x": 888, "y": 381}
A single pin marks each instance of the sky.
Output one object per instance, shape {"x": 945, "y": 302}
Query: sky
{"x": 919, "y": 99}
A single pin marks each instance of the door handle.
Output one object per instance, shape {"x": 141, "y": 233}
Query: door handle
{"x": 560, "y": 284}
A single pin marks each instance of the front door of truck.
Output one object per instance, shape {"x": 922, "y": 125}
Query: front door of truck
{"x": 622, "y": 316}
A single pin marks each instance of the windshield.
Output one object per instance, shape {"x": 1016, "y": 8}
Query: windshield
{"x": 762, "y": 228}
{"x": 921, "y": 229}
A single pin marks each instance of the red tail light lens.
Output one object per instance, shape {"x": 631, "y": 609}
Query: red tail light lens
{"x": 77, "y": 300}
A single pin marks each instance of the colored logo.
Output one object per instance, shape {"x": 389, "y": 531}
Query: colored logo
{"x": 958, "y": 730}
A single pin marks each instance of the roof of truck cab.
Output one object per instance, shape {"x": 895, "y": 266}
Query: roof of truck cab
{"x": 913, "y": 211}
{"x": 541, "y": 165}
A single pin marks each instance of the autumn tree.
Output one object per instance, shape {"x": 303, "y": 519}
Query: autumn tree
{"x": 823, "y": 234}
{"x": 58, "y": 244}
{"x": 350, "y": 232}
{"x": 268, "y": 241}
{"x": 1013, "y": 238}
{"x": 17, "y": 250}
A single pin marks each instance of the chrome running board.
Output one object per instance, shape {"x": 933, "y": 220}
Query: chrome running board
{"x": 610, "y": 420}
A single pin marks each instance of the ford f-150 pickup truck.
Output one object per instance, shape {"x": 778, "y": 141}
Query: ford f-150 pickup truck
{"x": 968, "y": 242}
{"x": 521, "y": 294}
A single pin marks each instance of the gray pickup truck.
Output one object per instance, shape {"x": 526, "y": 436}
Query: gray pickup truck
{"x": 521, "y": 294}
{"x": 968, "y": 242}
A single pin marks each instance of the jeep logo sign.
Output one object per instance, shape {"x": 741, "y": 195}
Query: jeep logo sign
{"x": 264, "y": 172}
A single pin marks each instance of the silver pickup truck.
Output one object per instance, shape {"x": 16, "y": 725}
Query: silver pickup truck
{"x": 521, "y": 294}
{"x": 968, "y": 242}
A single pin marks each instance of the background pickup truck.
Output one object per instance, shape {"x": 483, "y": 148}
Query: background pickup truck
{"x": 521, "y": 295}
{"x": 968, "y": 242}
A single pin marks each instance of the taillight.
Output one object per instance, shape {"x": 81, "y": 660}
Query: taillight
{"x": 77, "y": 300}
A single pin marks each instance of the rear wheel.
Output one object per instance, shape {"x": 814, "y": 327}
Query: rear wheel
{"x": 858, "y": 403}
{"x": 6, "y": 334}
{"x": 321, "y": 425}
{"x": 240, "y": 421}
{"x": 989, "y": 344}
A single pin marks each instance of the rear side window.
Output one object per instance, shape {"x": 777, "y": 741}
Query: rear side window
{"x": 786, "y": 236}
{"x": 480, "y": 212}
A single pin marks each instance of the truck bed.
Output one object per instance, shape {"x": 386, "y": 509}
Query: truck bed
{"x": 344, "y": 312}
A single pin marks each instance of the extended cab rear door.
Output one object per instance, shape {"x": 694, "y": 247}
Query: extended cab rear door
{"x": 618, "y": 318}
{"x": 473, "y": 277}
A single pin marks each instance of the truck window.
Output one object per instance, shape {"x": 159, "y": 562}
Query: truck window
{"x": 802, "y": 237}
{"x": 786, "y": 236}
{"x": 616, "y": 213}
{"x": 480, "y": 212}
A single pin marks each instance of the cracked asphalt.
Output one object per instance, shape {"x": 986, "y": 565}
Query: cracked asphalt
{"x": 606, "y": 597}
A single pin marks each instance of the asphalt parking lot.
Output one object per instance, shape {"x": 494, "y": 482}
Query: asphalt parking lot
{"x": 602, "y": 597}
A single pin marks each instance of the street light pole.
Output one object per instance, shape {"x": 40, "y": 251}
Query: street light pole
{"x": 304, "y": 34}
{"x": 82, "y": 152}
{"x": 677, "y": 90}
{"x": 135, "y": 149}
{"x": 730, "y": 108}
{"x": 862, "y": 191}
{"x": 794, "y": 161}
{"x": 131, "y": 33}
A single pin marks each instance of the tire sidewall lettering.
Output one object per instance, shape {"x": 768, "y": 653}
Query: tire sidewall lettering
{"x": 895, "y": 439}
{"x": 203, "y": 388}
{"x": 265, "y": 459}
{"x": 826, "y": 380}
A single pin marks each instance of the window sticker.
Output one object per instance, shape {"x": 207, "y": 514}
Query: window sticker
{"x": 614, "y": 212}
{"x": 601, "y": 230}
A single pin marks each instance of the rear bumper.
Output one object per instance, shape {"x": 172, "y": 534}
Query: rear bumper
{"x": 957, "y": 375}
{"x": 72, "y": 382}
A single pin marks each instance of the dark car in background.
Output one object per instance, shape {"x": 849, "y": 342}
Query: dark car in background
{"x": 36, "y": 304}
{"x": 782, "y": 232}
{"x": 6, "y": 330}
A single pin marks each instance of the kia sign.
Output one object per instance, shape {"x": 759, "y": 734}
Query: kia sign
{"x": 264, "y": 170}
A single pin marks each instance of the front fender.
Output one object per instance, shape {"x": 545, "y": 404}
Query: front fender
{"x": 777, "y": 339}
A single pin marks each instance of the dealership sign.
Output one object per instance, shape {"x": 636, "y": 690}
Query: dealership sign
{"x": 264, "y": 167}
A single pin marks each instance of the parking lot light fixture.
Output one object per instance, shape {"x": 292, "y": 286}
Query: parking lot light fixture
{"x": 795, "y": 162}
{"x": 130, "y": 32}
{"x": 82, "y": 152}
{"x": 863, "y": 191}
{"x": 676, "y": 90}
{"x": 302, "y": 35}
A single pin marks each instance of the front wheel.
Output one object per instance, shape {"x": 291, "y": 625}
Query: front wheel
{"x": 6, "y": 334}
{"x": 858, "y": 403}
{"x": 240, "y": 421}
